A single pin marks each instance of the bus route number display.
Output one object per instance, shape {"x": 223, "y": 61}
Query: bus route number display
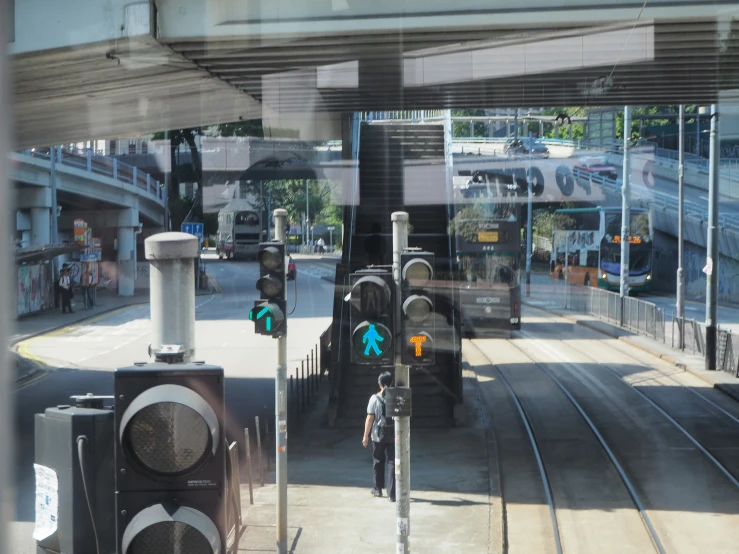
{"x": 488, "y": 236}
{"x": 632, "y": 240}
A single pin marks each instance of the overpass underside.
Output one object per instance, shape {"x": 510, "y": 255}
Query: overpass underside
{"x": 133, "y": 69}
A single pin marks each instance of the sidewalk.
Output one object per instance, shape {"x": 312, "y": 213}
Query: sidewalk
{"x": 331, "y": 510}
{"x": 45, "y": 322}
{"x": 694, "y": 364}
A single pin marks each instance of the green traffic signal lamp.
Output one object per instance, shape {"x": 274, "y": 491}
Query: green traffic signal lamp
{"x": 268, "y": 318}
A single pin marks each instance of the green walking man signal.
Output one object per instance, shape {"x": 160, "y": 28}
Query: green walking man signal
{"x": 370, "y": 339}
{"x": 371, "y": 317}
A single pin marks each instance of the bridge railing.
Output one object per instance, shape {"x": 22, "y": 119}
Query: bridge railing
{"x": 99, "y": 164}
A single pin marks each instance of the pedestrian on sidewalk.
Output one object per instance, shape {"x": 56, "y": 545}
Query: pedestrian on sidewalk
{"x": 65, "y": 287}
{"x": 57, "y": 288}
{"x": 380, "y": 429}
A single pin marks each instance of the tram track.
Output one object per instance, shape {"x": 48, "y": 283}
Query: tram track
{"x": 545, "y": 467}
{"x": 700, "y": 444}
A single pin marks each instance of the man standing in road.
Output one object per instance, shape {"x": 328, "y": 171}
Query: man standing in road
{"x": 380, "y": 429}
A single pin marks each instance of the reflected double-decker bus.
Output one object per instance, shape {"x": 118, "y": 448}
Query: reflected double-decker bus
{"x": 488, "y": 247}
{"x": 586, "y": 248}
{"x": 239, "y": 232}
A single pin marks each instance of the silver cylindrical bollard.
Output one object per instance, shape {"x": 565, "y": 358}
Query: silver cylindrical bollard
{"x": 172, "y": 280}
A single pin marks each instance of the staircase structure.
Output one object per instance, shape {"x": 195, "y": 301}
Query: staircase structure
{"x": 401, "y": 168}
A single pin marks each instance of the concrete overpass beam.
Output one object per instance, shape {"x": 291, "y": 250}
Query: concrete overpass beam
{"x": 40, "y": 226}
{"x": 38, "y": 201}
{"x": 128, "y": 222}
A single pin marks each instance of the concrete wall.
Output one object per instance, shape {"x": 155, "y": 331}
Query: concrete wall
{"x": 665, "y": 270}
{"x": 218, "y": 18}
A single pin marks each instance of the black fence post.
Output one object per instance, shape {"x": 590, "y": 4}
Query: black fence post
{"x": 302, "y": 383}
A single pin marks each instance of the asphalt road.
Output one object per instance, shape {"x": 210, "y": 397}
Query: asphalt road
{"x": 83, "y": 357}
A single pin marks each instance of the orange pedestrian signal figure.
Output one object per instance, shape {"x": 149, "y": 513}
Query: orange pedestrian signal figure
{"x": 418, "y": 340}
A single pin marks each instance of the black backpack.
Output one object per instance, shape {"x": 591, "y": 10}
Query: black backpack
{"x": 383, "y": 422}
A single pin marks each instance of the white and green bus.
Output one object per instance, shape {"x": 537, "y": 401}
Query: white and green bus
{"x": 586, "y": 248}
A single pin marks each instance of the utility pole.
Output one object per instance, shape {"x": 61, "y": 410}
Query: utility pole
{"x": 712, "y": 256}
{"x": 625, "y": 209}
{"x": 529, "y": 229}
{"x": 54, "y": 208}
{"x": 402, "y": 379}
{"x": 307, "y": 212}
{"x": 680, "y": 305}
{"x": 280, "y": 217}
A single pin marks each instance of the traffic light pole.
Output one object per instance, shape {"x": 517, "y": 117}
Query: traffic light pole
{"x": 625, "y": 209}
{"x": 712, "y": 260}
{"x": 280, "y": 217}
{"x": 402, "y": 379}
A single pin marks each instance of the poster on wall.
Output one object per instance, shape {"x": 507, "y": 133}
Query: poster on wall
{"x": 80, "y": 230}
{"x": 35, "y": 300}
{"x": 23, "y": 290}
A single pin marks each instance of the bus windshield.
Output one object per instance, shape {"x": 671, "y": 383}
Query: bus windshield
{"x": 502, "y": 270}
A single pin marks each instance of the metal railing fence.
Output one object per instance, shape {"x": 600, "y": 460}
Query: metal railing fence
{"x": 639, "y": 316}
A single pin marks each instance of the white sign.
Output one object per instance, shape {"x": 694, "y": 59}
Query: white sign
{"x": 47, "y": 502}
{"x": 708, "y": 270}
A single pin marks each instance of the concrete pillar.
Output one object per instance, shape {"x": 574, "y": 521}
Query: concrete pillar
{"x": 128, "y": 220}
{"x": 40, "y": 226}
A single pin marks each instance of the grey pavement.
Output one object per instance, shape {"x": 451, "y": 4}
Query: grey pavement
{"x": 332, "y": 511}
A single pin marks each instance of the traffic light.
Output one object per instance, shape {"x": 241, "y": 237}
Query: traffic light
{"x": 417, "y": 308}
{"x": 170, "y": 459}
{"x": 269, "y": 314}
{"x": 371, "y": 317}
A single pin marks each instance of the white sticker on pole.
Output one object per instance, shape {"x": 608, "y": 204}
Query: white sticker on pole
{"x": 400, "y": 548}
{"x": 47, "y": 502}
{"x": 708, "y": 270}
{"x": 402, "y": 526}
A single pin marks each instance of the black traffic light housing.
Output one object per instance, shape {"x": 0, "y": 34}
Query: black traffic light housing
{"x": 417, "y": 327}
{"x": 372, "y": 317}
{"x": 269, "y": 313}
{"x": 170, "y": 457}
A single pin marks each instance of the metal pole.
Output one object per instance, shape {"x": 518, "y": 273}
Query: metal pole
{"x": 712, "y": 259}
{"x": 307, "y": 213}
{"x": 167, "y": 178}
{"x": 625, "y": 209}
{"x": 280, "y": 217}
{"x": 260, "y": 463}
{"x": 515, "y": 125}
{"x": 7, "y": 487}
{"x": 529, "y": 229}
{"x": 54, "y": 208}
{"x": 172, "y": 290}
{"x": 248, "y": 465}
{"x": 402, "y": 379}
{"x": 680, "y": 237}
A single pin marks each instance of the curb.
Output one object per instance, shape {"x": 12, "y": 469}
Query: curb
{"x": 62, "y": 325}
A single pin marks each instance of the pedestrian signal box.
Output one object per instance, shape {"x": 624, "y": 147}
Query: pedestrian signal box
{"x": 417, "y": 308}
{"x": 371, "y": 317}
